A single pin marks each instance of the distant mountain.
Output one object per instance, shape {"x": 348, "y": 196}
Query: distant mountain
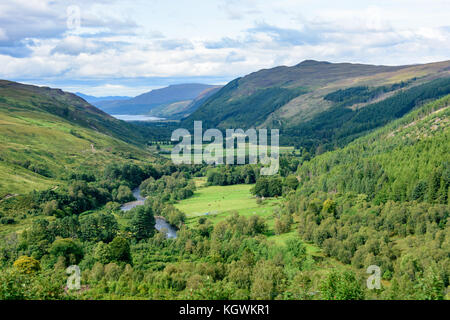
{"x": 181, "y": 109}
{"x": 318, "y": 104}
{"x": 92, "y": 99}
{"x": 164, "y": 102}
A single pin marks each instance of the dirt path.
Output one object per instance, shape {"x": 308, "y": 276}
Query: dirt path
{"x": 9, "y": 196}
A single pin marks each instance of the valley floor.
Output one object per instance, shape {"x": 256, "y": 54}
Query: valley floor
{"x": 217, "y": 203}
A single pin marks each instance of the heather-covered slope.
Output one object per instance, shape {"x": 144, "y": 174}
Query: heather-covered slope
{"x": 16, "y": 97}
{"x": 47, "y": 133}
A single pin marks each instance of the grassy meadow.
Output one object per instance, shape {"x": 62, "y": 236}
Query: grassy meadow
{"x": 218, "y": 202}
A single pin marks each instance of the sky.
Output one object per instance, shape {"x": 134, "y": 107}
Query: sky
{"x": 105, "y": 48}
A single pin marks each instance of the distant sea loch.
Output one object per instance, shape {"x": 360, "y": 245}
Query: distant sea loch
{"x": 129, "y": 117}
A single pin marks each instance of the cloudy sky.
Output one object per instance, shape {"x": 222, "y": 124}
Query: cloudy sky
{"x": 129, "y": 47}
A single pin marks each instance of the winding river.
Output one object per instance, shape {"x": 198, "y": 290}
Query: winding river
{"x": 160, "y": 223}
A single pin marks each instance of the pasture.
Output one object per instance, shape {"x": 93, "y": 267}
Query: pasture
{"x": 216, "y": 203}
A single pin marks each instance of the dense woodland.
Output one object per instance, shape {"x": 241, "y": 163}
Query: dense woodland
{"x": 381, "y": 200}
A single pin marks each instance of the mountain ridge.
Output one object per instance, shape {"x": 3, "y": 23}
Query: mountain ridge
{"x": 158, "y": 102}
{"x": 68, "y": 106}
{"x": 93, "y": 99}
{"x": 288, "y": 97}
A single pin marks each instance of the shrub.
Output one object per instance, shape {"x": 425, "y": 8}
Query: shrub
{"x": 27, "y": 265}
{"x": 119, "y": 250}
{"x": 341, "y": 286}
{"x": 7, "y": 220}
{"x": 68, "y": 248}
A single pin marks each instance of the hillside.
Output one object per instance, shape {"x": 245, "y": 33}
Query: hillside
{"x": 16, "y": 97}
{"x": 47, "y": 133}
{"x": 384, "y": 200}
{"x": 404, "y": 161}
{"x": 165, "y": 102}
{"x": 304, "y": 101}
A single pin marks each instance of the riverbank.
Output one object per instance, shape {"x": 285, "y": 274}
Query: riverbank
{"x": 160, "y": 222}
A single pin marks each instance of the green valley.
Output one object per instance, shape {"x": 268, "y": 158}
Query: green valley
{"x": 224, "y": 159}
{"x": 79, "y": 187}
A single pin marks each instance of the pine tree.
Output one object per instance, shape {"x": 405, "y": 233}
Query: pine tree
{"x": 143, "y": 222}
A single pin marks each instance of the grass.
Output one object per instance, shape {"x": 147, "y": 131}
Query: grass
{"x": 21, "y": 225}
{"x": 221, "y": 201}
{"x": 44, "y": 134}
{"x": 199, "y": 181}
{"x": 217, "y": 200}
{"x": 17, "y": 179}
{"x": 58, "y": 146}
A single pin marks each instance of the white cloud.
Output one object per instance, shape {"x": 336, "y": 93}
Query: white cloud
{"x": 3, "y": 35}
{"x": 123, "y": 40}
{"x": 112, "y": 90}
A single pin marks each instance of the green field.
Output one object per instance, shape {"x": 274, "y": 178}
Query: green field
{"x": 218, "y": 202}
